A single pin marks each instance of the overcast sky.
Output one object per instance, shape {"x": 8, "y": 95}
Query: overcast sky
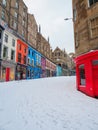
{"x": 50, "y": 15}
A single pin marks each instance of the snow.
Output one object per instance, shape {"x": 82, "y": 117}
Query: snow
{"x": 46, "y": 104}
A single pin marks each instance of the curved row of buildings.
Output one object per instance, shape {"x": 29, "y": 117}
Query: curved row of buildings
{"x": 24, "y": 52}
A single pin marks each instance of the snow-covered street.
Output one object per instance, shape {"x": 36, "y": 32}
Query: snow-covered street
{"x": 46, "y": 104}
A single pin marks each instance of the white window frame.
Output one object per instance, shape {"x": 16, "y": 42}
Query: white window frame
{"x": 6, "y": 56}
{"x": 13, "y": 42}
{"x": 6, "y": 38}
{"x": 13, "y": 55}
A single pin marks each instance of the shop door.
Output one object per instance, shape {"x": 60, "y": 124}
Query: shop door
{"x": 95, "y": 79}
{"x": 7, "y": 74}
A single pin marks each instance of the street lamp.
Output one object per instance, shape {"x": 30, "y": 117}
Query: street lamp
{"x": 68, "y": 18}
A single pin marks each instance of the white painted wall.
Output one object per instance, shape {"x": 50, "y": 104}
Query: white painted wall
{"x": 9, "y": 44}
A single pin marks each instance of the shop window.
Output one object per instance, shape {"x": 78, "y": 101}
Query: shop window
{"x": 12, "y": 73}
{"x": 12, "y": 55}
{"x": 94, "y": 27}
{"x": 91, "y": 2}
{"x": 82, "y": 75}
{"x": 3, "y": 73}
{"x": 32, "y": 73}
{"x": 6, "y": 38}
{"x": 5, "y": 52}
{"x": 13, "y": 42}
{"x": 28, "y": 73}
{"x": 19, "y": 57}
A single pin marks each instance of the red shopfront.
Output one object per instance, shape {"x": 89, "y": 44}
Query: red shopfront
{"x": 7, "y": 71}
{"x": 87, "y": 73}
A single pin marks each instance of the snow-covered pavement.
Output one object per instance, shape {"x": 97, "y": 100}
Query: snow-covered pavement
{"x": 46, "y": 104}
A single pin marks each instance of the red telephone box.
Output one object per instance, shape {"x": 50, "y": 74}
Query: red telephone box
{"x": 87, "y": 73}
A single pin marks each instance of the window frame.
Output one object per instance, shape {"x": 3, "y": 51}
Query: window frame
{"x": 13, "y": 59}
{"x": 6, "y": 52}
{"x": 13, "y": 42}
{"x": 82, "y": 75}
{"x": 6, "y": 38}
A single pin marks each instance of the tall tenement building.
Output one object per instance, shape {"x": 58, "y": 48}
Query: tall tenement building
{"x": 32, "y": 30}
{"x": 43, "y": 45}
{"x": 85, "y": 18}
{"x": 14, "y": 12}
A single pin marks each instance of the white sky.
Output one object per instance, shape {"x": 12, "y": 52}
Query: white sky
{"x": 50, "y": 15}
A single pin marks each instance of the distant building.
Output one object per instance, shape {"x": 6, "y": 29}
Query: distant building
{"x": 62, "y": 59}
{"x": 85, "y": 18}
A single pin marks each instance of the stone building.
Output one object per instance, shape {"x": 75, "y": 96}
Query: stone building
{"x": 14, "y": 12}
{"x": 61, "y": 58}
{"x": 85, "y": 18}
{"x": 43, "y": 46}
{"x": 32, "y": 30}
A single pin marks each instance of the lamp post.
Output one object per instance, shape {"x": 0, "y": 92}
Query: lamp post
{"x": 68, "y": 19}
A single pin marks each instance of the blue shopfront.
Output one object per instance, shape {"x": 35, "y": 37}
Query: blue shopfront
{"x": 34, "y": 64}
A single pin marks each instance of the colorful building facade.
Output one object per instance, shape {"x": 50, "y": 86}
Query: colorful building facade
{"x": 37, "y": 70}
{"x": 31, "y": 63}
{"x": 21, "y": 59}
{"x": 43, "y": 65}
{"x": 8, "y": 64}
